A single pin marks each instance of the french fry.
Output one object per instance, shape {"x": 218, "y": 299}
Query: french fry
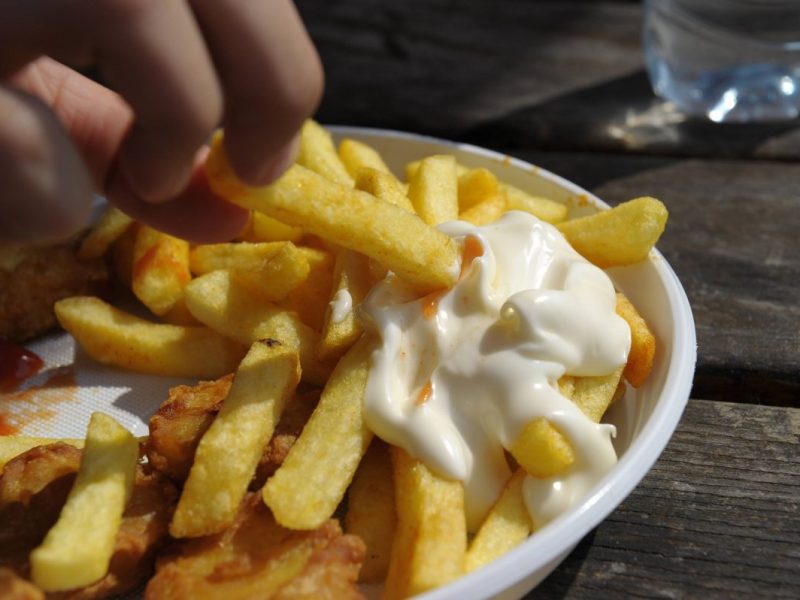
{"x": 114, "y": 337}
{"x": 122, "y": 254}
{"x": 269, "y": 269}
{"x": 267, "y": 229}
{"x": 265, "y": 379}
{"x": 476, "y": 186}
{"x": 14, "y": 445}
{"x": 383, "y": 186}
{"x": 370, "y": 510}
{"x": 309, "y": 485}
{"x": 433, "y": 190}
{"x": 318, "y": 153}
{"x": 545, "y": 209}
{"x": 310, "y": 298}
{"x": 621, "y": 236}
{"x": 430, "y": 542}
{"x": 507, "y": 525}
{"x": 487, "y": 211}
{"x": 160, "y": 269}
{"x": 357, "y": 155}
{"x": 105, "y": 232}
{"x": 78, "y": 548}
{"x": 416, "y": 252}
{"x": 593, "y": 395}
{"x": 223, "y": 304}
{"x": 643, "y": 343}
{"x": 341, "y": 327}
{"x": 542, "y": 450}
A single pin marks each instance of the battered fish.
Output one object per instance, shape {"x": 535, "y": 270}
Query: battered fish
{"x": 34, "y": 487}
{"x": 183, "y": 418}
{"x": 258, "y": 559}
{"x": 32, "y": 279}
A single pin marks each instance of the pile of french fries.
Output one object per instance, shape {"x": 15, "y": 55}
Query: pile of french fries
{"x": 337, "y": 221}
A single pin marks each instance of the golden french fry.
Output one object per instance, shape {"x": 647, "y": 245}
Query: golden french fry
{"x": 122, "y": 254}
{"x": 160, "y": 269}
{"x": 357, "y": 155}
{"x": 269, "y": 269}
{"x": 544, "y": 208}
{"x": 416, "y": 252}
{"x": 487, "y": 211}
{"x": 507, "y": 525}
{"x": 114, "y": 337}
{"x": 310, "y": 299}
{"x": 476, "y": 186}
{"x": 643, "y": 343}
{"x": 370, "y": 510}
{"x": 430, "y": 542}
{"x": 309, "y": 485}
{"x": 621, "y": 236}
{"x": 105, "y": 232}
{"x": 593, "y": 395}
{"x": 542, "y": 450}
{"x": 318, "y": 153}
{"x": 219, "y": 301}
{"x": 267, "y": 229}
{"x": 78, "y": 548}
{"x": 216, "y": 485}
{"x": 341, "y": 328}
{"x": 433, "y": 190}
{"x": 13, "y": 445}
{"x": 383, "y": 186}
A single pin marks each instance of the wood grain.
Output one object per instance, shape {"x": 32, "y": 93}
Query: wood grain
{"x": 718, "y": 516}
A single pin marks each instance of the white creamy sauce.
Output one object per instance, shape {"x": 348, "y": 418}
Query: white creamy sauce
{"x": 341, "y": 305}
{"x": 456, "y": 375}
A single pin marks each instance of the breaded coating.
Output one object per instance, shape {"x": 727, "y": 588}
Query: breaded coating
{"x": 33, "y": 489}
{"x": 183, "y": 418}
{"x": 257, "y": 558}
{"x": 32, "y": 279}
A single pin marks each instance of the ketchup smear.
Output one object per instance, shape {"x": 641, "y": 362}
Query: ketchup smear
{"x": 16, "y": 365}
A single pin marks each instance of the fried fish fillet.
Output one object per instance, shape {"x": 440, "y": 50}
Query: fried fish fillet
{"x": 32, "y": 279}
{"x": 258, "y": 559}
{"x": 34, "y": 487}
{"x": 183, "y": 418}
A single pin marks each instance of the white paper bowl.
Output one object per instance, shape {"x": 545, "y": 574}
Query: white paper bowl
{"x": 645, "y": 418}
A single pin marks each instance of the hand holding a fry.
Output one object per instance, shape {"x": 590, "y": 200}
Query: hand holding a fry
{"x": 178, "y": 70}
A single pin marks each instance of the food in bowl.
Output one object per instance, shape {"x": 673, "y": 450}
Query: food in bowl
{"x": 307, "y": 488}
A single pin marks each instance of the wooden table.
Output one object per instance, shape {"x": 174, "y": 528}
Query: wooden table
{"x": 562, "y": 84}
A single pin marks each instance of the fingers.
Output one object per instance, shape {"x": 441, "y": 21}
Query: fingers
{"x": 271, "y": 76}
{"x": 46, "y": 189}
{"x": 154, "y": 55}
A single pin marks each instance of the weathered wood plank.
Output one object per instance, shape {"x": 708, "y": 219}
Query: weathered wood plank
{"x": 548, "y": 75}
{"x": 718, "y": 516}
{"x": 733, "y": 240}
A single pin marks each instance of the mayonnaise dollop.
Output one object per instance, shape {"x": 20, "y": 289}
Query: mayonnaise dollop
{"x": 457, "y": 374}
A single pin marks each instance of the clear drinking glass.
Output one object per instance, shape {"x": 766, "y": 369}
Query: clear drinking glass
{"x": 728, "y": 60}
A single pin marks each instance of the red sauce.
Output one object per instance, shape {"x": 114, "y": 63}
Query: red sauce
{"x": 7, "y": 428}
{"x": 16, "y": 365}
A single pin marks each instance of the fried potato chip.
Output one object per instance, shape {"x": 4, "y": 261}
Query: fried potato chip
{"x": 430, "y": 542}
{"x": 269, "y": 269}
{"x": 416, "y": 252}
{"x": 105, "y": 232}
{"x": 341, "y": 326}
{"x": 264, "y": 381}
{"x": 160, "y": 269}
{"x": 114, "y": 337}
{"x": 383, "y": 186}
{"x": 223, "y": 304}
{"x": 309, "y": 485}
{"x": 318, "y": 153}
{"x": 621, "y": 236}
{"x": 370, "y": 510}
{"x": 506, "y": 526}
{"x": 14, "y": 445}
{"x": 92, "y": 513}
{"x": 433, "y": 190}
